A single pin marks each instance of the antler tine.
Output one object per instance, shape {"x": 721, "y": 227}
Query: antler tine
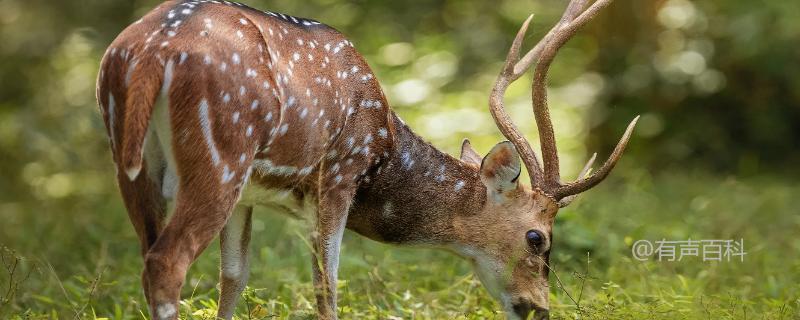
{"x": 584, "y": 184}
{"x": 561, "y": 34}
{"x": 501, "y": 118}
{"x": 512, "y": 59}
{"x": 586, "y": 169}
{"x": 573, "y": 9}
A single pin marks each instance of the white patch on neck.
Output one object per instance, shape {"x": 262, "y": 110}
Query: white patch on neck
{"x": 508, "y": 307}
{"x": 165, "y": 311}
{"x": 489, "y": 271}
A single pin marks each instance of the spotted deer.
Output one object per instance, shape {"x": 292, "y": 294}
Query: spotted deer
{"x": 216, "y": 107}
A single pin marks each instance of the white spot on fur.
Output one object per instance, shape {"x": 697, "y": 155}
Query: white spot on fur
{"x": 407, "y": 162}
{"x": 388, "y": 209}
{"x": 332, "y": 154}
{"x": 441, "y": 177}
{"x": 227, "y": 174}
{"x": 205, "y": 124}
{"x": 168, "y": 73}
{"x": 266, "y": 167}
{"x": 459, "y": 185}
{"x": 132, "y": 173}
{"x": 111, "y": 105}
{"x": 305, "y": 171}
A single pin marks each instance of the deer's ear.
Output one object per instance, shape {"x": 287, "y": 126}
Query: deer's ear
{"x": 468, "y": 154}
{"x": 500, "y": 168}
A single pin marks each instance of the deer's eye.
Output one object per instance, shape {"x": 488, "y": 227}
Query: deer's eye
{"x": 535, "y": 239}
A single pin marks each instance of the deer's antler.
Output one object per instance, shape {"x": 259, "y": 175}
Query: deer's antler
{"x": 547, "y": 178}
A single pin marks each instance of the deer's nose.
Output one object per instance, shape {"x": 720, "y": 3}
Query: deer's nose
{"x": 523, "y": 309}
{"x": 541, "y": 314}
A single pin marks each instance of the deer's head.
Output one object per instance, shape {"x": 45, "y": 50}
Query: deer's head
{"x": 509, "y": 241}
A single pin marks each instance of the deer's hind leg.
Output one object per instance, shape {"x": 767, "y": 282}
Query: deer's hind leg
{"x": 211, "y": 176}
{"x": 198, "y": 218}
{"x": 146, "y": 209}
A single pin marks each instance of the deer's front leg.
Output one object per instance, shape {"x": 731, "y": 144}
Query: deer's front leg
{"x": 234, "y": 267}
{"x": 327, "y": 238}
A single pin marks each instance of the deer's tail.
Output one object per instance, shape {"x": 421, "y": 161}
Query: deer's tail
{"x": 138, "y": 86}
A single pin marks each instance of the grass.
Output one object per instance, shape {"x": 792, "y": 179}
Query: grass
{"x": 78, "y": 258}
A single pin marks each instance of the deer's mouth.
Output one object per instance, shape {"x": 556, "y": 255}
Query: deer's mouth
{"x": 524, "y": 309}
{"x": 541, "y": 314}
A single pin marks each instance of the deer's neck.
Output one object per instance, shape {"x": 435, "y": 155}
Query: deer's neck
{"x": 415, "y": 195}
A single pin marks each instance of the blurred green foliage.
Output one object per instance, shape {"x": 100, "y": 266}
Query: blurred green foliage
{"x": 717, "y": 84}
